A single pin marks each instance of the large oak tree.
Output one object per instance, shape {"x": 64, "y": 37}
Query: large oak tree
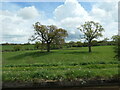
{"x": 48, "y": 34}
{"x": 91, "y": 30}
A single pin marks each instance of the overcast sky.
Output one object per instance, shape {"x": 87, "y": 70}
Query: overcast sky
{"x": 17, "y": 18}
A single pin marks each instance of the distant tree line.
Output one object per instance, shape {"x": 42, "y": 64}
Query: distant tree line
{"x": 16, "y": 43}
{"x": 39, "y": 46}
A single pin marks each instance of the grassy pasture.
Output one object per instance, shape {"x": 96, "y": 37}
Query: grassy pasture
{"x": 65, "y": 64}
{"x": 11, "y": 47}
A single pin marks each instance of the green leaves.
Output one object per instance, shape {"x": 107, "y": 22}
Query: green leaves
{"x": 91, "y": 30}
{"x": 48, "y": 34}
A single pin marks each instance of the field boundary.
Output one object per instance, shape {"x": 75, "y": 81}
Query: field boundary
{"x": 61, "y": 84}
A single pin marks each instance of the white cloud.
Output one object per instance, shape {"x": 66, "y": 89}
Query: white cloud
{"x": 70, "y": 9}
{"x": 105, "y": 9}
{"x": 107, "y": 14}
{"x": 28, "y": 12}
{"x": 17, "y": 26}
{"x": 71, "y": 14}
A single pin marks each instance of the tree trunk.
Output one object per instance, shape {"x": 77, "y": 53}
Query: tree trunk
{"x": 48, "y": 47}
{"x": 42, "y": 47}
{"x": 89, "y": 46}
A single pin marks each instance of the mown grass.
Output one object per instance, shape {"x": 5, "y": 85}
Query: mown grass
{"x": 66, "y": 64}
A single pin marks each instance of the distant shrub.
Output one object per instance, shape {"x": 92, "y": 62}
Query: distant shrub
{"x": 17, "y": 47}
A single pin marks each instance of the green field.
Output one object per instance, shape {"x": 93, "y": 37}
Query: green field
{"x": 11, "y": 47}
{"x": 64, "y": 64}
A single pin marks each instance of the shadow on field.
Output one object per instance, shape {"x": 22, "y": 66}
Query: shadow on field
{"x": 31, "y": 54}
{"x": 79, "y": 52}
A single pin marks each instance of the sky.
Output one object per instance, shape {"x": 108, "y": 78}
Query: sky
{"x": 17, "y": 18}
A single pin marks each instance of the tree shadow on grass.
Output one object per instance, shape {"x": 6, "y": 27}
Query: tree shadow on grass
{"x": 31, "y": 54}
{"x": 80, "y": 52}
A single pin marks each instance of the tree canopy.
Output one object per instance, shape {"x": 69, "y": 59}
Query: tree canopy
{"x": 91, "y": 30}
{"x": 48, "y": 34}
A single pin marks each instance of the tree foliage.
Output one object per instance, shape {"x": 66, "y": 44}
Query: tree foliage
{"x": 116, "y": 39}
{"x": 48, "y": 34}
{"x": 91, "y": 30}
